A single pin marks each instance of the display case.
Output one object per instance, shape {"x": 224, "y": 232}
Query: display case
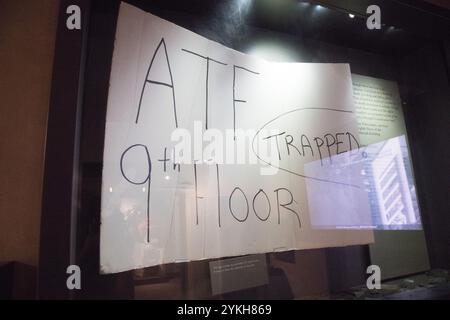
{"x": 398, "y": 70}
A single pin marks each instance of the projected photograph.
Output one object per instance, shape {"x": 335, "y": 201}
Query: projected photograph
{"x": 391, "y": 188}
{"x": 373, "y": 188}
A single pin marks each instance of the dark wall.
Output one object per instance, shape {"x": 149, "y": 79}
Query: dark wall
{"x": 425, "y": 73}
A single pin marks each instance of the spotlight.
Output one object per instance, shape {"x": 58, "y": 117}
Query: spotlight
{"x": 351, "y": 15}
{"x": 304, "y": 4}
{"x": 318, "y": 8}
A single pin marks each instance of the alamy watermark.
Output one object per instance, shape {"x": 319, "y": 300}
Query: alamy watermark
{"x": 374, "y": 280}
{"x": 74, "y": 279}
{"x": 228, "y": 146}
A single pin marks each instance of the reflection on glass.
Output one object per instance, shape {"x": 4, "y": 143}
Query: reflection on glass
{"x": 375, "y": 190}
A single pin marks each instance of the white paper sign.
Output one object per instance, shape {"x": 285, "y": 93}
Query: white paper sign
{"x": 238, "y": 184}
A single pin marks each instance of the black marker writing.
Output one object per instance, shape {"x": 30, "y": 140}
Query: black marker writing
{"x": 277, "y": 144}
{"x": 146, "y": 180}
{"x": 350, "y": 138}
{"x": 285, "y": 205}
{"x": 218, "y": 193}
{"x": 289, "y": 142}
{"x": 208, "y": 59}
{"x": 289, "y": 139}
{"x": 230, "y": 206}
{"x": 196, "y": 193}
{"x": 234, "y": 95}
{"x": 339, "y": 142}
{"x": 329, "y": 144}
{"x": 303, "y": 139}
{"x": 316, "y": 140}
{"x": 148, "y": 81}
{"x": 165, "y": 159}
{"x": 261, "y": 191}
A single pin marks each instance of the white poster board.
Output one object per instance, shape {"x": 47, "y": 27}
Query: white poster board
{"x": 160, "y": 205}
